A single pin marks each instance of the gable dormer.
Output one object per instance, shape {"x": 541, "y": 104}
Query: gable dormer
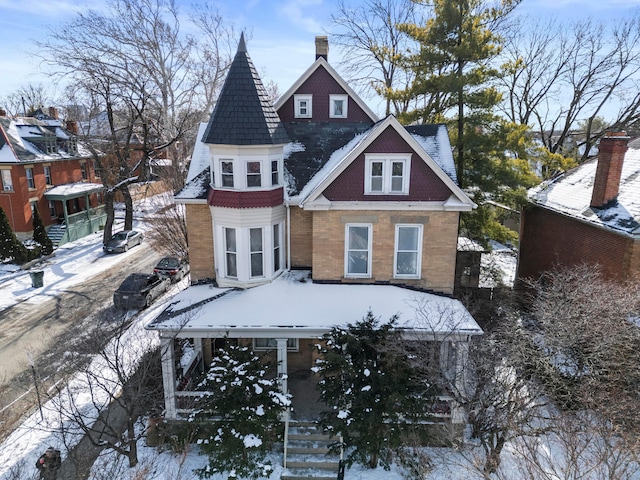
{"x": 321, "y": 95}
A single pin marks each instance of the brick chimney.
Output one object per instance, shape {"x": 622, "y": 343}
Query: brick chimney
{"x": 72, "y": 126}
{"x": 3, "y": 112}
{"x": 606, "y": 184}
{"x": 322, "y": 47}
{"x": 53, "y": 112}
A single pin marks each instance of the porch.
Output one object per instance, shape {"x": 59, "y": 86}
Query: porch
{"x": 79, "y": 219}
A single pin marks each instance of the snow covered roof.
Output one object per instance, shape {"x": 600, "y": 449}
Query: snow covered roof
{"x": 467, "y": 245}
{"x": 72, "y": 190}
{"x": 570, "y": 194}
{"x": 201, "y": 156}
{"x": 25, "y": 140}
{"x": 292, "y": 306}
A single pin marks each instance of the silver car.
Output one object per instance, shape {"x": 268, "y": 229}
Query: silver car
{"x": 122, "y": 241}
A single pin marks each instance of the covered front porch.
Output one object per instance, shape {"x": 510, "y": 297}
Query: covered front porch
{"x": 72, "y": 204}
{"x": 287, "y": 318}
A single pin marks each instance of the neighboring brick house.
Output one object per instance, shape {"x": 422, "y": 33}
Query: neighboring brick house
{"x": 327, "y": 212}
{"x": 43, "y": 166}
{"x": 589, "y": 215}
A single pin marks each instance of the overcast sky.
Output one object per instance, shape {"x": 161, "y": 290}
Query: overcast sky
{"x": 282, "y": 31}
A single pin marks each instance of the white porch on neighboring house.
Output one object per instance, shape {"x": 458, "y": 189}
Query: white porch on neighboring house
{"x": 287, "y": 318}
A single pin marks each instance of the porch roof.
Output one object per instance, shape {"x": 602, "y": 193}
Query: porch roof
{"x": 292, "y": 306}
{"x": 72, "y": 190}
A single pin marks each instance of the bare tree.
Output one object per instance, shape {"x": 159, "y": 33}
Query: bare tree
{"x": 169, "y": 230}
{"x": 374, "y": 46}
{"x": 27, "y": 99}
{"x": 560, "y": 76}
{"x": 152, "y": 82}
{"x": 122, "y": 382}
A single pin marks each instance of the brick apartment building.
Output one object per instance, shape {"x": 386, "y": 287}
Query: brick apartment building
{"x": 43, "y": 166}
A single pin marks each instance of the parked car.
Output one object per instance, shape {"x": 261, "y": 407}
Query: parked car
{"x": 140, "y": 289}
{"x": 123, "y": 241}
{"x": 173, "y": 267}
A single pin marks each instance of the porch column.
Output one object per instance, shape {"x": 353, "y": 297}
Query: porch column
{"x": 197, "y": 346}
{"x": 168, "y": 377}
{"x": 282, "y": 364}
{"x": 462, "y": 355}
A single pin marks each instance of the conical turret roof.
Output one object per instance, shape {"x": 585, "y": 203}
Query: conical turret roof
{"x": 243, "y": 114}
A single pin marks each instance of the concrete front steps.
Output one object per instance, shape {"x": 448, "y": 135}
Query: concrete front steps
{"x": 307, "y": 454}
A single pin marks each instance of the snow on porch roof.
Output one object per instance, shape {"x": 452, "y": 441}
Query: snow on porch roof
{"x": 293, "y": 306}
{"x": 72, "y": 190}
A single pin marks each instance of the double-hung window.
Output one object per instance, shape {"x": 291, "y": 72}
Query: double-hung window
{"x": 272, "y": 344}
{"x": 7, "y": 182}
{"x": 358, "y": 250}
{"x": 257, "y": 254}
{"x": 226, "y": 173}
{"x": 30, "y": 180}
{"x": 83, "y": 169}
{"x": 338, "y": 106}
{"x": 254, "y": 174}
{"x": 47, "y": 175}
{"x": 277, "y": 250}
{"x": 408, "y": 251}
{"x": 302, "y": 105}
{"x": 387, "y": 174}
{"x": 231, "y": 252}
{"x": 275, "y": 173}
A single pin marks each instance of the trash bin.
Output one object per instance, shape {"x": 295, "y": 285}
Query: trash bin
{"x": 36, "y": 278}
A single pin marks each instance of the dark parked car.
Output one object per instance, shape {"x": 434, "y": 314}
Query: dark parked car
{"x": 140, "y": 289}
{"x": 173, "y": 267}
{"x": 122, "y": 241}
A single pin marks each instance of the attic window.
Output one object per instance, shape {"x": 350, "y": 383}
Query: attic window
{"x": 338, "y": 106}
{"x": 302, "y": 105}
{"x": 387, "y": 174}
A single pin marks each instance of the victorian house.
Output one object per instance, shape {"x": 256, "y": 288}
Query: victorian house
{"x": 305, "y": 215}
{"x": 43, "y": 166}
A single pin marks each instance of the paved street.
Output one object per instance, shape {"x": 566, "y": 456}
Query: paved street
{"x": 45, "y": 331}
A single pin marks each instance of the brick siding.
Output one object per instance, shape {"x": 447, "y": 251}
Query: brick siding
{"x": 438, "y": 253}
{"x": 549, "y": 239}
{"x": 201, "y": 247}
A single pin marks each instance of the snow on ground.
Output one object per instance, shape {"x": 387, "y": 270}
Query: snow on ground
{"x": 498, "y": 267}
{"x": 74, "y": 263}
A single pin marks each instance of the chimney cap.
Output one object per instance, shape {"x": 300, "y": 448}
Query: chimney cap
{"x": 621, "y": 134}
{"x": 322, "y": 47}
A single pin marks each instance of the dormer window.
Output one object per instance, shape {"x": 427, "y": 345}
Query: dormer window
{"x": 226, "y": 173}
{"x": 338, "y": 106}
{"x": 254, "y": 174}
{"x": 302, "y": 105}
{"x": 387, "y": 174}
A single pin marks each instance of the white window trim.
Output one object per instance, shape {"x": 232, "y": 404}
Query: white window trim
{"x": 277, "y": 250}
{"x": 387, "y": 161}
{"x": 31, "y": 179}
{"x": 277, "y": 172}
{"x": 227, "y": 252}
{"x": 261, "y": 252}
{"x": 7, "y": 186}
{"x": 296, "y": 106}
{"x": 417, "y": 275}
{"x": 234, "y": 174}
{"x": 293, "y": 348}
{"x": 345, "y": 99}
{"x": 247, "y": 174}
{"x": 347, "y": 274}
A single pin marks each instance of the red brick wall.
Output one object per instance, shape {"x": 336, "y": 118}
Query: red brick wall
{"x": 424, "y": 184}
{"x": 321, "y": 84}
{"x": 548, "y": 239}
{"x": 16, "y": 204}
